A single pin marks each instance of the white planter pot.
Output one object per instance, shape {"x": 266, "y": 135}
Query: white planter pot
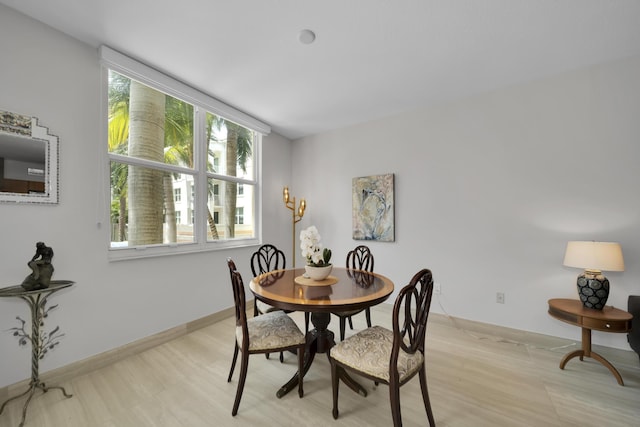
{"x": 318, "y": 273}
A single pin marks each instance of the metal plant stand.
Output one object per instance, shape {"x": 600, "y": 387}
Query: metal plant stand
{"x": 40, "y": 343}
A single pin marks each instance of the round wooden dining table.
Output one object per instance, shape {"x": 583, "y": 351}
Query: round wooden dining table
{"x": 344, "y": 290}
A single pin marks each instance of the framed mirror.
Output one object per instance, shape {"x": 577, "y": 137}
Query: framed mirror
{"x": 28, "y": 160}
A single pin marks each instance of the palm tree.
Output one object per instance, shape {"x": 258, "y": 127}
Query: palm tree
{"x": 238, "y": 151}
{"x": 178, "y": 140}
{"x": 211, "y": 122}
{"x": 145, "y": 185}
{"x": 179, "y": 151}
{"x": 118, "y": 138}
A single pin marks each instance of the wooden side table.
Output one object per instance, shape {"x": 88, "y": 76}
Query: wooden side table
{"x": 608, "y": 319}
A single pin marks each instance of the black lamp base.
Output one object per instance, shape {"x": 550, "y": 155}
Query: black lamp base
{"x": 593, "y": 290}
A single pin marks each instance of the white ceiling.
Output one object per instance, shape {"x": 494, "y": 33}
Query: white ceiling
{"x": 371, "y": 58}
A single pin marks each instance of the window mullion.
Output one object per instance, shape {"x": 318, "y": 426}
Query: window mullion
{"x": 200, "y": 160}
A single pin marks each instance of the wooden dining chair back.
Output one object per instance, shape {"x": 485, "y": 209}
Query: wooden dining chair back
{"x": 359, "y": 258}
{"x": 272, "y": 332}
{"x": 394, "y": 356}
{"x": 267, "y": 258}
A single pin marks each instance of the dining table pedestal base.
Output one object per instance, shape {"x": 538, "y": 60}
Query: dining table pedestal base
{"x": 320, "y": 340}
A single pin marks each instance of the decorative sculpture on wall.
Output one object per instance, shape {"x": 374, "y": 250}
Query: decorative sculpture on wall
{"x": 41, "y": 268}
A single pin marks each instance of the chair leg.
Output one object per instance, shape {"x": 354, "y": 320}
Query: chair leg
{"x": 425, "y": 396}
{"x": 335, "y": 383}
{"x": 343, "y": 322}
{"x": 367, "y": 313}
{"x": 281, "y": 357}
{"x": 394, "y": 394}
{"x": 300, "y": 370}
{"x": 233, "y": 362}
{"x": 306, "y": 322}
{"x": 243, "y": 376}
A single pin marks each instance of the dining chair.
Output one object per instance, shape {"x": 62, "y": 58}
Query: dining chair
{"x": 394, "y": 356}
{"x": 271, "y": 332}
{"x": 359, "y": 258}
{"x": 269, "y": 258}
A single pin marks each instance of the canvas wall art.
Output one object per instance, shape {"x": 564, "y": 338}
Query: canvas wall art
{"x": 373, "y": 208}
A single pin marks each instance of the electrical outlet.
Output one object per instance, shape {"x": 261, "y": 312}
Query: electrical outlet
{"x": 500, "y": 297}
{"x": 437, "y": 289}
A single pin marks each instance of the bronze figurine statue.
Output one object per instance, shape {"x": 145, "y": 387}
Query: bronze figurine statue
{"x": 41, "y": 267}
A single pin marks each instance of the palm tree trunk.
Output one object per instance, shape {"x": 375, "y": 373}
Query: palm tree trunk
{"x": 122, "y": 218}
{"x": 146, "y": 140}
{"x": 230, "y": 188}
{"x": 170, "y": 209}
{"x": 212, "y": 226}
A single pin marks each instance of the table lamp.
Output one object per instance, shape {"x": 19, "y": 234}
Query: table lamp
{"x": 594, "y": 257}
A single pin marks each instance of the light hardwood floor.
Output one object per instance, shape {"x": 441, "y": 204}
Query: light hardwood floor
{"x": 478, "y": 376}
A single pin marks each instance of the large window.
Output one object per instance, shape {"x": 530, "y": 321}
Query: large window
{"x": 166, "y": 140}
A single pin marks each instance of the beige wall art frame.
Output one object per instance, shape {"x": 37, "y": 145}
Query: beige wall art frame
{"x": 373, "y": 208}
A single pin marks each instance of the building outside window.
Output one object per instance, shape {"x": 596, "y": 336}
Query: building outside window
{"x": 239, "y": 215}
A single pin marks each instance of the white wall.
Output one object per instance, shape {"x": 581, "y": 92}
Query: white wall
{"x": 57, "y": 79}
{"x": 489, "y": 190}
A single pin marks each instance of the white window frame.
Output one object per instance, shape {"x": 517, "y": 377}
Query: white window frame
{"x": 112, "y": 60}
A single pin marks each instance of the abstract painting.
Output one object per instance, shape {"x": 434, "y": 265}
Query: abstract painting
{"x": 373, "y": 208}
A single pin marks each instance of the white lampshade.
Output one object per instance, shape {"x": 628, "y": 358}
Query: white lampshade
{"x": 601, "y": 256}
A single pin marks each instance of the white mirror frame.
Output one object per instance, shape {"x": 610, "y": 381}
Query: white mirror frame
{"x": 18, "y": 126}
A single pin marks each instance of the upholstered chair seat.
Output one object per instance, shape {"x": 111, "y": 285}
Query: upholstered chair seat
{"x": 369, "y": 351}
{"x": 269, "y": 331}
